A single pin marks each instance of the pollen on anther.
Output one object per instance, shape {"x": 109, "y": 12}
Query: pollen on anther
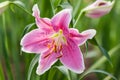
{"x": 48, "y": 45}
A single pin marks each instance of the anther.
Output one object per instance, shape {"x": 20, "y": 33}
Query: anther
{"x": 49, "y": 53}
{"x": 59, "y": 56}
{"x": 55, "y": 49}
{"x": 60, "y": 47}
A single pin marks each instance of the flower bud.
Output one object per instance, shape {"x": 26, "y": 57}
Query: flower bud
{"x": 98, "y": 8}
{"x": 3, "y": 6}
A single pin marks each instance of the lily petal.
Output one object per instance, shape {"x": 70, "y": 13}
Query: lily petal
{"x": 62, "y": 20}
{"x": 74, "y": 32}
{"x": 36, "y": 12}
{"x": 35, "y": 41}
{"x": 41, "y": 22}
{"x": 81, "y": 38}
{"x": 72, "y": 57}
{"x": 47, "y": 59}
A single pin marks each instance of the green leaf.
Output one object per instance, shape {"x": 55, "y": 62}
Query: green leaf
{"x": 64, "y": 70}
{"x": 27, "y": 28}
{"x": 20, "y": 5}
{"x": 70, "y": 75}
{"x": 6, "y": 49}
{"x": 99, "y": 71}
{"x": 51, "y": 74}
{"x": 102, "y": 59}
{"x": 55, "y": 3}
{"x": 93, "y": 41}
{"x": 32, "y": 64}
{"x": 66, "y": 5}
{"x": 77, "y": 7}
{"x": 104, "y": 51}
{"x": 1, "y": 73}
{"x": 63, "y": 5}
{"x": 3, "y": 6}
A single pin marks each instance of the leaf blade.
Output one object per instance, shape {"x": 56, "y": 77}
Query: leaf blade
{"x": 103, "y": 50}
{"x": 32, "y": 64}
{"x": 99, "y": 71}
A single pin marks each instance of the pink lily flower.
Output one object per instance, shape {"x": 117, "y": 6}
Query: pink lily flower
{"x": 55, "y": 41}
{"x": 98, "y": 8}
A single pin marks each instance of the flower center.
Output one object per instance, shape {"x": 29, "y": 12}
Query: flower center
{"x": 58, "y": 39}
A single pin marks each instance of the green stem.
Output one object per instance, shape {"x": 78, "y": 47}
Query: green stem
{"x": 81, "y": 12}
{"x": 101, "y": 60}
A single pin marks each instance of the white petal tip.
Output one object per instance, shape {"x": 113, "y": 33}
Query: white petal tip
{"x": 90, "y": 33}
{"x": 35, "y": 10}
{"x": 79, "y": 71}
{"x": 38, "y": 72}
{"x": 35, "y": 6}
{"x": 24, "y": 50}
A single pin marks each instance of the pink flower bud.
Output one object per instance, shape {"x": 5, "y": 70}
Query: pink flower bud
{"x": 3, "y": 6}
{"x": 98, "y": 8}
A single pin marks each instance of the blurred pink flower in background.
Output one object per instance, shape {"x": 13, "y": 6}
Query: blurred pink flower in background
{"x": 98, "y": 8}
{"x": 54, "y": 40}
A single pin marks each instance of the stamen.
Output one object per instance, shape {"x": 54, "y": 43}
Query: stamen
{"x": 60, "y": 48}
{"x": 56, "y": 46}
{"x": 60, "y": 31}
{"x": 47, "y": 55}
{"x": 50, "y": 44}
{"x": 55, "y": 49}
{"x": 60, "y": 55}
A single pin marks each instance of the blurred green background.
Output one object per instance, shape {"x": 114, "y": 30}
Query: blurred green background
{"x": 14, "y": 65}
